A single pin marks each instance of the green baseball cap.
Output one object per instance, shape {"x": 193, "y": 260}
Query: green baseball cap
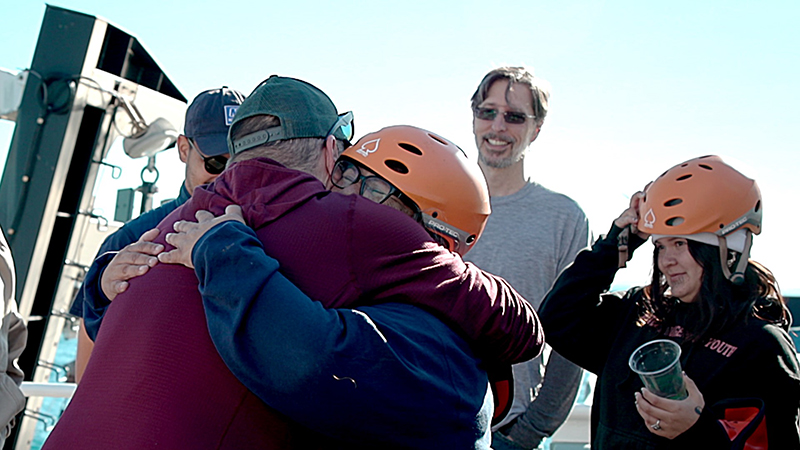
{"x": 304, "y": 112}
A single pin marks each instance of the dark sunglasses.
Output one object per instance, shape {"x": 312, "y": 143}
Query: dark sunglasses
{"x": 344, "y": 125}
{"x": 214, "y": 165}
{"x": 513, "y": 117}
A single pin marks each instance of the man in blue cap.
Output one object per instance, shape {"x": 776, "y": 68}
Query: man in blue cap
{"x": 203, "y": 147}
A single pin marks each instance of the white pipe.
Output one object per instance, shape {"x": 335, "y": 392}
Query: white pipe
{"x": 60, "y": 390}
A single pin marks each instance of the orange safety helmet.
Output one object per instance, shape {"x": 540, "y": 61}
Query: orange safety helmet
{"x": 448, "y": 188}
{"x": 706, "y": 200}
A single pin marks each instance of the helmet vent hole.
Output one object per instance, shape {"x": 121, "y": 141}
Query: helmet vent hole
{"x": 673, "y": 202}
{"x": 435, "y": 214}
{"x": 684, "y": 177}
{"x": 471, "y": 239}
{"x": 396, "y": 166}
{"x": 674, "y": 221}
{"x": 437, "y": 139}
{"x": 410, "y": 148}
{"x": 758, "y": 206}
{"x": 706, "y": 166}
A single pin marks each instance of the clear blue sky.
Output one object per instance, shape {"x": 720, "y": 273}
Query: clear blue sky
{"x": 637, "y": 86}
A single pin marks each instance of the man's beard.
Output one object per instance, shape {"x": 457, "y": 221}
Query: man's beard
{"x": 502, "y": 163}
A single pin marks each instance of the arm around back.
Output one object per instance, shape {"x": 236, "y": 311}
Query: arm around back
{"x": 328, "y": 368}
{"x": 405, "y": 266}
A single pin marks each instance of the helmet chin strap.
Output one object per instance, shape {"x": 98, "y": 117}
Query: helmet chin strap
{"x": 737, "y": 277}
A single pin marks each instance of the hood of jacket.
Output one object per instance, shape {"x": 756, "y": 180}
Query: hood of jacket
{"x": 265, "y": 189}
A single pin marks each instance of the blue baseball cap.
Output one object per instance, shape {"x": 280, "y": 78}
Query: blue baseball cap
{"x": 209, "y": 117}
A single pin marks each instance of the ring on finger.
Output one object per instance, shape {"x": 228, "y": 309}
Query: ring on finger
{"x": 656, "y": 426}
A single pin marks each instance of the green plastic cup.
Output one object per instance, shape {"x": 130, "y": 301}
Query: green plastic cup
{"x": 658, "y": 364}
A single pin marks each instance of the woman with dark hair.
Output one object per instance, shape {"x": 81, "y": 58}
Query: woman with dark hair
{"x": 723, "y": 309}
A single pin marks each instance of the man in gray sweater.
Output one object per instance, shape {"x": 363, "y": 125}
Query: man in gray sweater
{"x": 532, "y": 234}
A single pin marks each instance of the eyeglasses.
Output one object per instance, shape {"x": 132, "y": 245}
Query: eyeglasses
{"x": 346, "y": 173}
{"x": 344, "y": 124}
{"x": 214, "y": 165}
{"x": 512, "y": 117}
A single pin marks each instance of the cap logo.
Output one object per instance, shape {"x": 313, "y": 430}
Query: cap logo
{"x": 649, "y": 218}
{"x": 369, "y": 147}
{"x": 230, "y": 112}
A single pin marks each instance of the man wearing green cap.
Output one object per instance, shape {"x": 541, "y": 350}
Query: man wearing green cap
{"x": 155, "y": 346}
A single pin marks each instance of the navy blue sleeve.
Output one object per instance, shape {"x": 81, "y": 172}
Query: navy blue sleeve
{"x": 335, "y": 370}
{"x": 252, "y": 310}
{"x": 93, "y": 301}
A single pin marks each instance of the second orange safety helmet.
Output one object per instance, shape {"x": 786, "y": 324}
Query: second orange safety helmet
{"x": 448, "y": 188}
{"x": 706, "y": 200}
{"x": 702, "y": 195}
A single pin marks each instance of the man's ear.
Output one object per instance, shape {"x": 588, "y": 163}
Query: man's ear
{"x": 331, "y": 153}
{"x": 536, "y": 134}
{"x": 183, "y": 148}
